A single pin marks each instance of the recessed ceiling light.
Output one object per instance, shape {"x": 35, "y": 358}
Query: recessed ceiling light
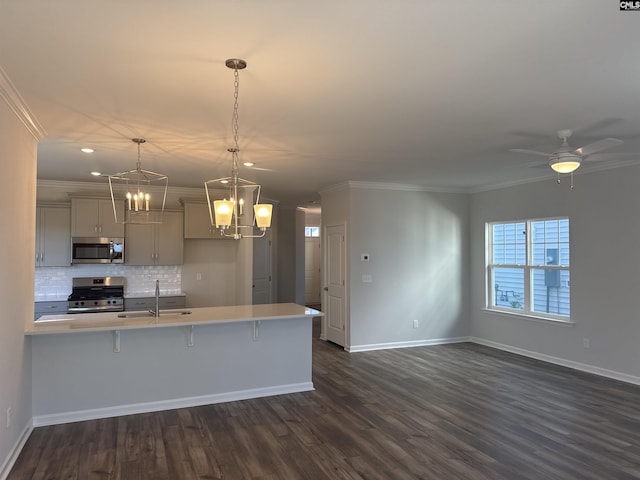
{"x": 96, "y": 174}
{"x": 248, "y": 164}
{"x": 87, "y": 150}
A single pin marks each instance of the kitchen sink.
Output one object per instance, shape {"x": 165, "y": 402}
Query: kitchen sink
{"x": 163, "y": 313}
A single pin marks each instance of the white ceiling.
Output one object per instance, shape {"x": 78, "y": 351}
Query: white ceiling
{"x": 430, "y": 92}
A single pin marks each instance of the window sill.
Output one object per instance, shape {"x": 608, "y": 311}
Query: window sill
{"x": 527, "y": 316}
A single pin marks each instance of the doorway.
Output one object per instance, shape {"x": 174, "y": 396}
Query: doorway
{"x": 261, "y": 286}
{"x": 312, "y": 255}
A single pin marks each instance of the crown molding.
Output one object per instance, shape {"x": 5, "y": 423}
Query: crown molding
{"x": 392, "y": 186}
{"x": 404, "y": 187}
{"x": 16, "y": 103}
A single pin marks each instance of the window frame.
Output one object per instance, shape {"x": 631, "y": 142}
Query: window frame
{"x": 312, "y": 231}
{"x": 528, "y": 267}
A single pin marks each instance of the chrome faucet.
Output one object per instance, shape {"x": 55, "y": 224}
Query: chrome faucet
{"x": 157, "y": 310}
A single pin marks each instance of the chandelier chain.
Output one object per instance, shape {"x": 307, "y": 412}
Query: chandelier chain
{"x": 234, "y": 123}
{"x": 138, "y": 165}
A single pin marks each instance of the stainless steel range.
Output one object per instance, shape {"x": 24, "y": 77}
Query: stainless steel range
{"x": 97, "y": 294}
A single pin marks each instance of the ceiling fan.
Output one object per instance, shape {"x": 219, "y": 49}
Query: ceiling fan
{"x": 567, "y": 159}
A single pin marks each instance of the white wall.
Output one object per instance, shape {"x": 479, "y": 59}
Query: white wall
{"x": 605, "y": 234}
{"x": 18, "y": 150}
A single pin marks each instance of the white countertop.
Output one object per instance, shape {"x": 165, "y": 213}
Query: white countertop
{"x": 92, "y": 322}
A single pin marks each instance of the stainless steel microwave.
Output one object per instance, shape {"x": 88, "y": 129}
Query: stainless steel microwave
{"x": 97, "y": 250}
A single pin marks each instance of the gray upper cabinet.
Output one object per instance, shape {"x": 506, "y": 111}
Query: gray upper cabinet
{"x": 53, "y": 236}
{"x": 155, "y": 244}
{"x": 93, "y": 217}
{"x": 197, "y": 223}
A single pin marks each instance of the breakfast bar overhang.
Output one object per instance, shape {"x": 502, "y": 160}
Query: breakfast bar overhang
{"x": 91, "y": 366}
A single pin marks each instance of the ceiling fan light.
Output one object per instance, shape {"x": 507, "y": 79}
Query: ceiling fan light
{"x": 565, "y": 163}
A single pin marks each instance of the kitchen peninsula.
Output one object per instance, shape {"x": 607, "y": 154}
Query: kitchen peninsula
{"x": 99, "y": 365}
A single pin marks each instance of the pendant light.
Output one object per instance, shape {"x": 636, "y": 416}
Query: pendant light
{"x": 227, "y": 214}
{"x": 143, "y": 192}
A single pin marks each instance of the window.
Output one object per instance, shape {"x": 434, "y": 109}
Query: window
{"x": 311, "y": 231}
{"x": 528, "y": 267}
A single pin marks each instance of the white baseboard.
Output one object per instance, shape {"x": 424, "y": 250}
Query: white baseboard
{"x": 67, "y": 417}
{"x": 623, "y": 377}
{"x": 409, "y": 344}
{"x": 15, "y": 451}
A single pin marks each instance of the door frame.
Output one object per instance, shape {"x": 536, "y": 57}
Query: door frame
{"x": 325, "y": 282}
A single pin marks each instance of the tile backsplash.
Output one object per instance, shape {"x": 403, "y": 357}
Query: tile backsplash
{"x": 54, "y": 283}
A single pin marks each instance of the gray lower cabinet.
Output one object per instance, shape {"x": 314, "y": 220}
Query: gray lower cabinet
{"x": 49, "y": 308}
{"x": 148, "y": 303}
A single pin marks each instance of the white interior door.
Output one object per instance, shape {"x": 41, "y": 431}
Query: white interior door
{"x": 334, "y": 305}
{"x": 261, "y": 291}
{"x": 312, "y": 270}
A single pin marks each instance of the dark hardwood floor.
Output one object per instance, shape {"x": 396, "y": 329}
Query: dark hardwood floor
{"x": 459, "y": 411}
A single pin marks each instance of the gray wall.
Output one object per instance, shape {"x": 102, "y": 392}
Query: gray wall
{"x": 290, "y": 255}
{"x": 417, "y": 242}
{"x": 216, "y": 263}
{"x": 604, "y": 233}
{"x": 18, "y": 150}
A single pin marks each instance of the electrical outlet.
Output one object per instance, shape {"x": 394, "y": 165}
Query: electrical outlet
{"x": 8, "y": 417}
{"x": 415, "y": 323}
{"x": 586, "y": 343}
{"x": 198, "y": 276}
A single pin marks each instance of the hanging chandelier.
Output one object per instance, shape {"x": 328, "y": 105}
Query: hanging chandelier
{"x": 144, "y": 193}
{"x": 228, "y": 214}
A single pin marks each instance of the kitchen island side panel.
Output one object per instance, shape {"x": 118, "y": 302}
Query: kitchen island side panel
{"x": 80, "y": 372}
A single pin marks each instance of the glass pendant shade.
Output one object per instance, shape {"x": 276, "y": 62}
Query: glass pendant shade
{"x": 223, "y": 210}
{"x": 263, "y": 215}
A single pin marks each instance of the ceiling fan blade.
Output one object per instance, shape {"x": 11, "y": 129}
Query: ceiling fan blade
{"x": 261, "y": 169}
{"x": 598, "y": 146}
{"x": 595, "y": 126}
{"x": 529, "y": 152}
{"x": 599, "y": 157}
